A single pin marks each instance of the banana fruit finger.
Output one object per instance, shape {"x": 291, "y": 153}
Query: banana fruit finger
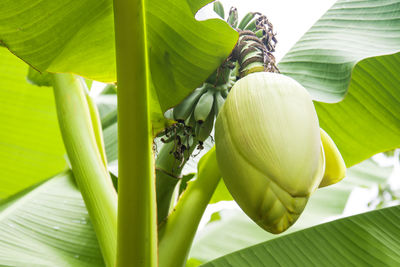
{"x": 204, "y": 106}
{"x": 203, "y": 130}
{"x": 246, "y": 19}
{"x": 219, "y": 100}
{"x": 219, "y": 9}
{"x": 183, "y": 110}
{"x": 233, "y": 17}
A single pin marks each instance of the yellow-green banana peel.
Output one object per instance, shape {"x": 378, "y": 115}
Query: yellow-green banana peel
{"x": 335, "y": 168}
{"x": 268, "y": 147}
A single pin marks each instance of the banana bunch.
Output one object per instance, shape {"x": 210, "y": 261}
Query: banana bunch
{"x": 199, "y": 109}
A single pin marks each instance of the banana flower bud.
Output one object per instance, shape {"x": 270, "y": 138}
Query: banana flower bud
{"x": 269, "y": 151}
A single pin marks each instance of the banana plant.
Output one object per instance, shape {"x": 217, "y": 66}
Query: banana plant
{"x": 282, "y": 131}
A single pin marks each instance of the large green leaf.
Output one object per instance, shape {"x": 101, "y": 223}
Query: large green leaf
{"x": 31, "y": 147}
{"x": 78, "y": 36}
{"x": 367, "y": 121}
{"x": 236, "y": 231}
{"x": 48, "y": 226}
{"x": 352, "y": 52}
{"x": 369, "y": 239}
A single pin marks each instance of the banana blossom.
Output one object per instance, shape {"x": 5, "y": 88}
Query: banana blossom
{"x": 271, "y": 151}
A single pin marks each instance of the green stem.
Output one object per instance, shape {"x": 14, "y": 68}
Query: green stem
{"x": 165, "y": 188}
{"x": 177, "y": 234}
{"x": 168, "y": 163}
{"x": 137, "y": 226}
{"x": 87, "y": 165}
{"x": 168, "y": 174}
{"x": 96, "y": 123}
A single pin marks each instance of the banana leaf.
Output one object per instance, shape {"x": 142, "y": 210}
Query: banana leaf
{"x": 350, "y": 63}
{"x": 48, "y": 225}
{"x": 369, "y": 239}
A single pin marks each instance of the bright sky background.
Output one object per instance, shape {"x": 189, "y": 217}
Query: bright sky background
{"x": 291, "y": 18}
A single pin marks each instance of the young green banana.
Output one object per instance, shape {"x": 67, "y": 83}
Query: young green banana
{"x": 190, "y": 121}
{"x": 219, "y": 100}
{"x": 224, "y": 93}
{"x": 246, "y": 19}
{"x": 203, "y": 130}
{"x": 259, "y": 33}
{"x": 252, "y": 26}
{"x": 233, "y": 17}
{"x": 169, "y": 114}
{"x": 183, "y": 110}
{"x": 204, "y": 106}
{"x": 219, "y": 9}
